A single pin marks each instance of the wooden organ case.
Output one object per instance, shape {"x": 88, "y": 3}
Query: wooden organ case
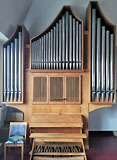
{"x": 68, "y": 73}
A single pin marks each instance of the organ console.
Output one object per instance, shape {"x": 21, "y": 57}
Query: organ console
{"x": 67, "y": 72}
{"x": 59, "y": 144}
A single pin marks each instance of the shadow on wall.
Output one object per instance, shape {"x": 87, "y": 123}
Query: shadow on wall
{"x": 14, "y": 115}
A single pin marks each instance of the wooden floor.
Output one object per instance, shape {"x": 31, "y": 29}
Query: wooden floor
{"x": 103, "y": 146}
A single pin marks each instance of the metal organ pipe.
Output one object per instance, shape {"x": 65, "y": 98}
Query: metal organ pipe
{"x": 49, "y": 50}
{"x": 80, "y": 46}
{"x": 98, "y": 85}
{"x": 77, "y": 44}
{"x": 42, "y": 52}
{"x": 102, "y": 60}
{"x": 74, "y": 37}
{"x": 60, "y": 49}
{"x": 103, "y": 64}
{"x": 46, "y": 50}
{"x": 37, "y": 62}
{"x": 93, "y": 49}
{"x": 66, "y": 34}
{"x": 12, "y": 71}
{"x": 54, "y": 47}
{"x": 70, "y": 41}
{"x": 61, "y": 45}
{"x": 5, "y": 73}
{"x": 35, "y": 55}
{"x": 16, "y": 69}
{"x": 57, "y": 46}
{"x": 8, "y": 72}
{"x": 107, "y": 65}
{"x": 20, "y": 66}
{"x": 63, "y": 42}
{"x": 111, "y": 68}
{"x": 40, "y": 43}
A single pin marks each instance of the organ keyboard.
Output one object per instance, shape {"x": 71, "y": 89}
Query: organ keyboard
{"x": 57, "y": 145}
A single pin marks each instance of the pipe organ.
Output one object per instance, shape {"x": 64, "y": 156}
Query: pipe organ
{"x": 60, "y": 46}
{"x": 13, "y": 66}
{"x": 63, "y": 72}
{"x": 102, "y": 58}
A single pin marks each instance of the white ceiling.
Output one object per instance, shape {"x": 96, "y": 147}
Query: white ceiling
{"x": 12, "y": 12}
{"x": 36, "y": 15}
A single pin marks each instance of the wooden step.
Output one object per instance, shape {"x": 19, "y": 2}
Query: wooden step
{"x": 58, "y": 135}
{"x": 61, "y": 158}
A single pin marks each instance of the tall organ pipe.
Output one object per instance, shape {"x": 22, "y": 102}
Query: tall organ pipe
{"x": 103, "y": 64}
{"x": 12, "y": 71}
{"x": 93, "y": 39}
{"x": 36, "y": 60}
{"x": 16, "y": 69}
{"x": 5, "y": 73}
{"x": 107, "y": 65}
{"x": 20, "y": 66}
{"x": 32, "y": 54}
{"x": 40, "y": 61}
{"x": 77, "y": 44}
{"x": 8, "y": 72}
{"x": 111, "y": 68}
{"x": 98, "y": 59}
{"x": 54, "y": 47}
{"x": 37, "y": 54}
{"x": 49, "y": 47}
{"x": 57, "y": 48}
{"x": 63, "y": 42}
{"x": 70, "y": 41}
{"x": 66, "y": 34}
{"x": 74, "y": 37}
{"x": 60, "y": 26}
{"x": 80, "y": 46}
{"x": 44, "y": 52}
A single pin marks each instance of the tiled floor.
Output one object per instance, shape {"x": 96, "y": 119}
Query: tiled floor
{"x": 103, "y": 146}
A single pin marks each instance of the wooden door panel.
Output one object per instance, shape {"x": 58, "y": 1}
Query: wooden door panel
{"x": 40, "y": 89}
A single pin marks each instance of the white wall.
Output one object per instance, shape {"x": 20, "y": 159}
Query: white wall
{"x": 0, "y": 74}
